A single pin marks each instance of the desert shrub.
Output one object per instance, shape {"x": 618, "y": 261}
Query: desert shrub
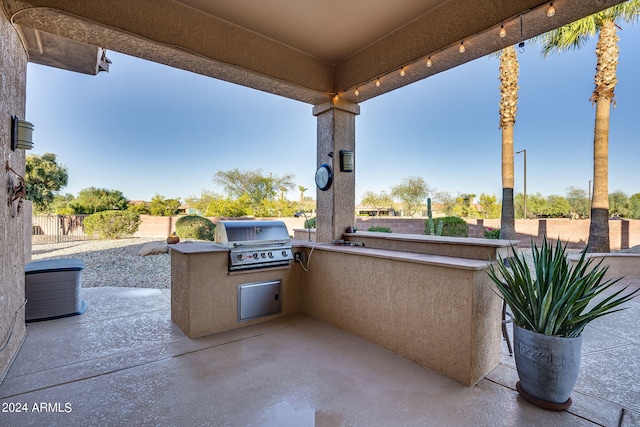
{"x": 112, "y": 224}
{"x": 454, "y": 226}
{"x": 380, "y": 229}
{"x": 195, "y": 227}
{"x": 311, "y": 223}
{"x": 491, "y": 233}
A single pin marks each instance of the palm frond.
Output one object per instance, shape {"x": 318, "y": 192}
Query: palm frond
{"x": 574, "y": 35}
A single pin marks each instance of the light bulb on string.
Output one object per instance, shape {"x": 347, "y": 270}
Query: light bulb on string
{"x": 402, "y": 73}
{"x": 461, "y": 49}
{"x": 429, "y": 64}
{"x": 357, "y": 92}
{"x": 551, "y": 11}
{"x": 503, "y": 32}
{"x": 377, "y": 82}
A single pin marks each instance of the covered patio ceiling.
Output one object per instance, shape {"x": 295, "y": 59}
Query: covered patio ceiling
{"x": 305, "y": 50}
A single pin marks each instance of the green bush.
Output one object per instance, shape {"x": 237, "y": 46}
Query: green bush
{"x": 311, "y": 223}
{"x": 454, "y": 226}
{"x": 380, "y": 229}
{"x": 491, "y": 233}
{"x": 195, "y": 227}
{"x": 112, "y": 224}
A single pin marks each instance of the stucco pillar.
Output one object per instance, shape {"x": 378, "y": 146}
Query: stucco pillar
{"x": 12, "y": 223}
{"x": 336, "y": 131}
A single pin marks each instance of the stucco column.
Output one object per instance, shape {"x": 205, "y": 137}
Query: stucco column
{"x": 336, "y": 131}
{"x": 13, "y": 224}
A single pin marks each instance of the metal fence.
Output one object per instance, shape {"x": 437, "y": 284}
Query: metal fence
{"x": 57, "y": 228}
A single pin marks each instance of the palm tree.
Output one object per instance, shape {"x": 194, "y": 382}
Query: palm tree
{"x": 574, "y": 36}
{"x": 302, "y": 190}
{"x": 509, "y": 70}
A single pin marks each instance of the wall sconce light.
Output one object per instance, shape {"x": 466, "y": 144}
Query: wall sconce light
{"x": 21, "y": 134}
{"x": 347, "y": 161}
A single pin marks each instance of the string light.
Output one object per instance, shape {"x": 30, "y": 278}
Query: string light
{"x": 551, "y": 11}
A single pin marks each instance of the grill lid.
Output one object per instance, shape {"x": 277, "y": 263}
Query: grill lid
{"x": 232, "y": 234}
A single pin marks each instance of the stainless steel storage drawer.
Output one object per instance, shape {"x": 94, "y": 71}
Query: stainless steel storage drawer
{"x": 259, "y": 299}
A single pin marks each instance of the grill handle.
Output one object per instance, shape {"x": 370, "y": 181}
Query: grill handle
{"x": 263, "y": 243}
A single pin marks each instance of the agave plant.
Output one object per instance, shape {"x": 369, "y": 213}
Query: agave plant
{"x": 558, "y": 299}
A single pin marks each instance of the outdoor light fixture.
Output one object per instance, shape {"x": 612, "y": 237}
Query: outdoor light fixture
{"x": 357, "y": 92}
{"x": 429, "y": 62}
{"x": 347, "y": 161}
{"x": 551, "y": 11}
{"x": 503, "y": 32}
{"x": 377, "y": 82}
{"x": 402, "y": 73}
{"x": 21, "y": 134}
{"x": 461, "y": 49}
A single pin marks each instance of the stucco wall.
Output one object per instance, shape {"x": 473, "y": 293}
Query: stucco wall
{"x": 13, "y": 62}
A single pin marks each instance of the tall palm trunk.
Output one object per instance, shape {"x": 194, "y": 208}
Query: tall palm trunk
{"x": 509, "y": 70}
{"x": 603, "y": 95}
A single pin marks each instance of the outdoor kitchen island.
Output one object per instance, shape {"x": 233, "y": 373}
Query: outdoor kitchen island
{"x": 437, "y": 310}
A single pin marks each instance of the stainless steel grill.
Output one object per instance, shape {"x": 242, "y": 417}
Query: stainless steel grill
{"x": 254, "y": 244}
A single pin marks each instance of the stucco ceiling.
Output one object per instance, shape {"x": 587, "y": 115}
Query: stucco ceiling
{"x": 308, "y": 50}
{"x": 331, "y": 30}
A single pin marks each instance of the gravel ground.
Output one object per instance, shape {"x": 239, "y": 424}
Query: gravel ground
{"x": 112, "y": 262}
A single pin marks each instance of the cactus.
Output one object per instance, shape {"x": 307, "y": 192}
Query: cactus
{"x": 431, "y": 227}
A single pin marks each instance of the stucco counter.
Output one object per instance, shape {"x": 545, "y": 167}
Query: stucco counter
{"x": 204, "y": 295}
{"x": 437, "y": 310}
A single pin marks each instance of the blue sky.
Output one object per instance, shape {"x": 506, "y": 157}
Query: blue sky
{"x": 146, "y": 129}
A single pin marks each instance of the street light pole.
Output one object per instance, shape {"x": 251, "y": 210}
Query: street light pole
{"x": 525, "y": 181}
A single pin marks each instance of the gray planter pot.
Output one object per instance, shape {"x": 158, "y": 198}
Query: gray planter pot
{"x": 548, "y": 366}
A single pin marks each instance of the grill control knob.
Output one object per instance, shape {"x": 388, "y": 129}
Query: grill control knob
{"x": 270, "y": 254}
{"x": 239, "y": 256}
{"x": 263, "y": 255}
{"x": 255, "y": 256}
{"x": 284, "y": 254}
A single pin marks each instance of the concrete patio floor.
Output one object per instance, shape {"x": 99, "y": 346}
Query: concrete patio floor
{"x": 123, "y": 362}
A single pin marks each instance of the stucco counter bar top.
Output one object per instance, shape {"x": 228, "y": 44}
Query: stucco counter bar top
{"x": 463, "y": 247}
{"x": 420, "y": 258}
